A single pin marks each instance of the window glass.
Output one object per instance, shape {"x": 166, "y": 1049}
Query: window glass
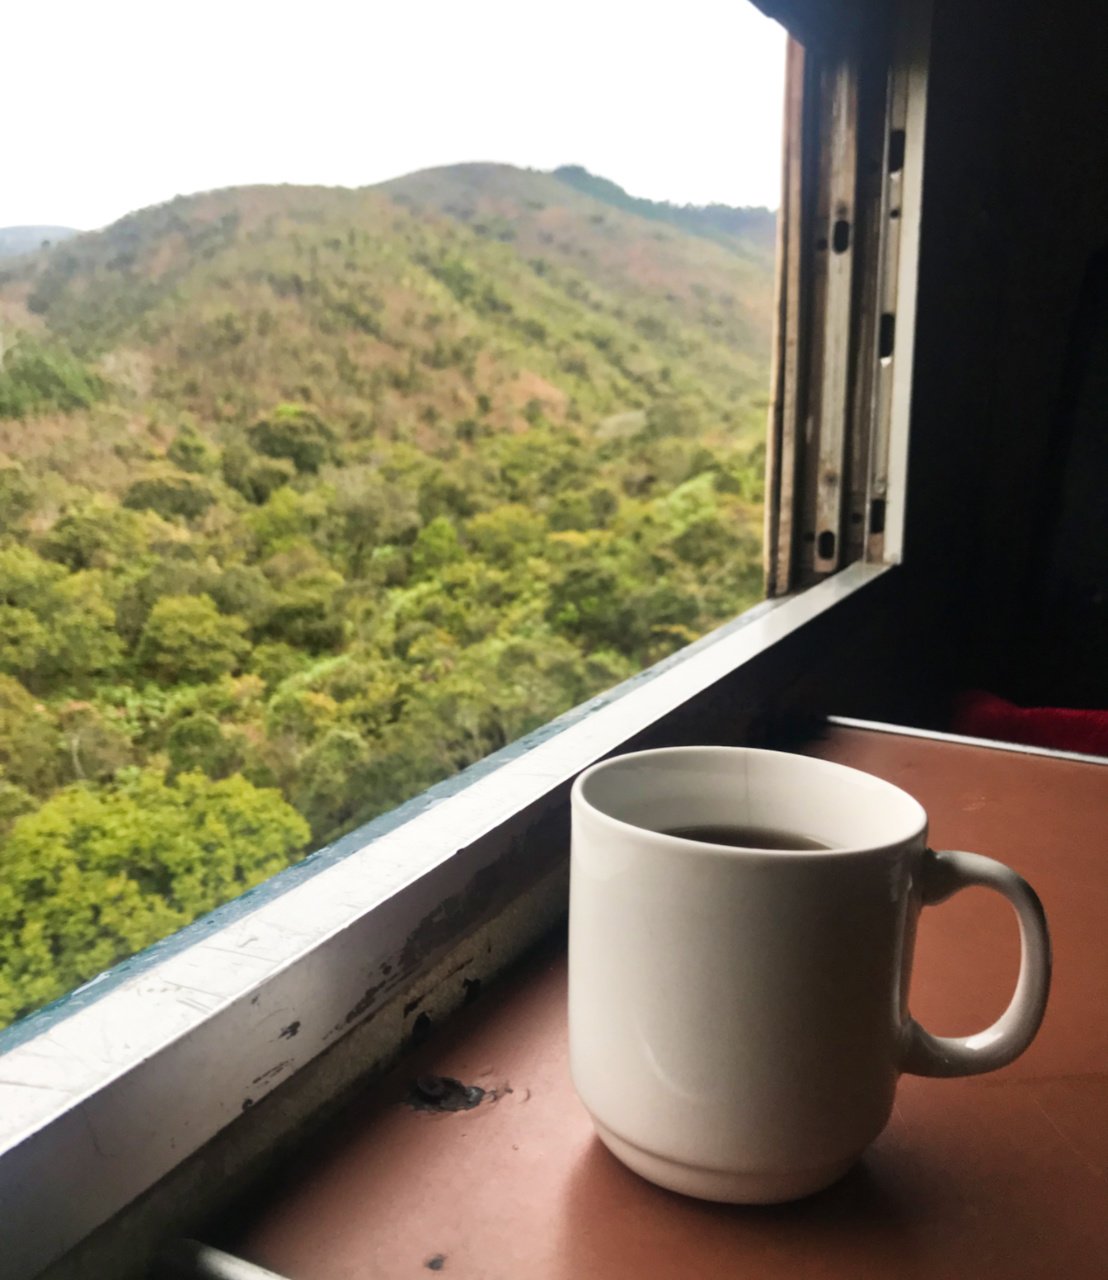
{"x": 434, "y": 407}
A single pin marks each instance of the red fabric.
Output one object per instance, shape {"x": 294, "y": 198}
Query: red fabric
{"x": 984, "y": 715}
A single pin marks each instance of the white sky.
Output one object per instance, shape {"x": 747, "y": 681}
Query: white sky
{"x": 111, "y": 105}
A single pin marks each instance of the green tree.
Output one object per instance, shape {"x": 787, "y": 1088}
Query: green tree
{"x": 369, "y": 511}
{"x": 331, "y": 786}
{"x": 435, "y": 547}
{"x": 295, "y": 432}
{"x": 96, "y": 534}
{"x": 590, "y": 598}
{"x": 508, "y": 534}
{"x": 300, "y": 712}
{"x": 16, "y": 494}
{"x": 197, "y": 743}
{"x": 186, "y": 638}
{"x": 26, "y": 578}
{"x": 274, "y": 661}
{"x": 264, "y": 476}
{"x": 141, "y": 590}
{"x": 55, "y": 628}
{"x": 35, "y": 378}
{"x": 31, "y": 747}
{"x": 191, "y": 452}
{"x": 285, "y": 518}
{"x": 256, "y": 478}
{"x": 245, "y": 590}
{"x": 305, "y": 612}
{"x": 93, "y": 876}
{"x": 24, "y": 641}
{"x": 591, "y": 508}
{"x": 170, "y": 493}
{"x": 14, "y": 802}
{"x": 83, "y": 641}
{"x": 97, "y": 744}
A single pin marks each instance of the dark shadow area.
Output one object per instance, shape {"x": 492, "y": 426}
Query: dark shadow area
{"x": 1068, "y": 658}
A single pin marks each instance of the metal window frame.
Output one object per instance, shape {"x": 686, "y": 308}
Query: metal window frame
{"x": 847, "y": 254}
{"x": 114, "y": 1088}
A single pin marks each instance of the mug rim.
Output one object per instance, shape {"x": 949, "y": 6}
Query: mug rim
{"x": 706, "y": 847}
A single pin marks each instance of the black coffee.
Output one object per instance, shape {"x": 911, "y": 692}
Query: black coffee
{"x": 747, "y": 837}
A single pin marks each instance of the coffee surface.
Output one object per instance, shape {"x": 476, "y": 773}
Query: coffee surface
{"x": 746, "y": 837}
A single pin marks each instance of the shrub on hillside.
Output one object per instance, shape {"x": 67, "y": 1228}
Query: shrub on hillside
{"x": 30, "y": 745}
{"x": 256, "y": 476}
{"x": 196, "y": 743}
{"x": 264, "y": 476}
{"x": 333, "y": 780}
{"x": 191, "y": 452}
{"x": 99, "y": 535}
{"x": 16, "y": 497}
{"x": 94, "y": 876}
{"x": 295, "y": 432}
{"x": 187, "y": 639}
{"x": 36, "y": 379}
{"x": 170, "y": 493}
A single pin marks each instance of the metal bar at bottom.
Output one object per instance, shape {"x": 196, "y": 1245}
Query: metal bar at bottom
{"x": 190, "y": 1260}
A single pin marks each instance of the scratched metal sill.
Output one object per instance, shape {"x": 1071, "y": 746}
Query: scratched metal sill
{"x": 107, "y": 1091}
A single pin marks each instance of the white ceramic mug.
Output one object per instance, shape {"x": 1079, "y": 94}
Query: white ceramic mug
{"x": 738, "y": 1017}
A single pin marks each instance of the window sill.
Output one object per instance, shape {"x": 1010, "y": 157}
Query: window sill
{"x": 104, "y": 1093}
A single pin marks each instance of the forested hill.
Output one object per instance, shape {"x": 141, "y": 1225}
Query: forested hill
{"x": 229, "y": 300}
{"x": 310, "y": 497}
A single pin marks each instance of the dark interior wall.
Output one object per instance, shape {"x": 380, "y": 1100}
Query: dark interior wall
{"x": 1070, "y": 634}
{"x": 1015, "y": 211}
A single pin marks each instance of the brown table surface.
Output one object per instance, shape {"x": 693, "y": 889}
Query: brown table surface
{"x": 1001, "y": 1175}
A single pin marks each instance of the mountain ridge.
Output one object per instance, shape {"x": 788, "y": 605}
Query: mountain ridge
{"x": 721, "y": 222}
{"x": 484, "y": 274}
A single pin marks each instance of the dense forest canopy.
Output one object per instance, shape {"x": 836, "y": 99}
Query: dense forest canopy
{"x": 311, "y": 497}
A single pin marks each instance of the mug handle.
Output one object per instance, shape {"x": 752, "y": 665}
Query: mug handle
{"x": 942, "y": 875}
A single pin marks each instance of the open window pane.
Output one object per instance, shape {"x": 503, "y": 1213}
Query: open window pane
{"x": 831, "y": 478}
{"x": 313, "y": 494}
